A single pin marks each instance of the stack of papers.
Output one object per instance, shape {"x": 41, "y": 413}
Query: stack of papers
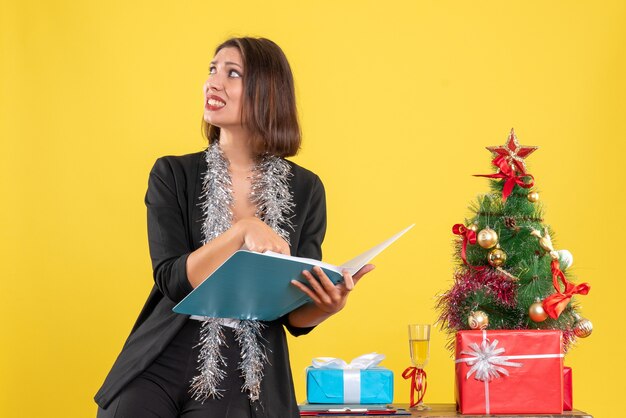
{"x": 307, "y": 409}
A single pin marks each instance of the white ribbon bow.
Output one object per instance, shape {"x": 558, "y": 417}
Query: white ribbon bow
{"x": 366, "y": 361}
{"x": 486, "y": 361}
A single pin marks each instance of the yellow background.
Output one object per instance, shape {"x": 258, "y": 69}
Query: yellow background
{"x": 397, "y": 102}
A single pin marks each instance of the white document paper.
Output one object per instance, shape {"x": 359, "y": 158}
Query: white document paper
{"x": 359, "y": 261}
{"x": 353, "y": 265}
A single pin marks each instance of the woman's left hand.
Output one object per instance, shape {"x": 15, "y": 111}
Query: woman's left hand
{"x": 327, "y": 296}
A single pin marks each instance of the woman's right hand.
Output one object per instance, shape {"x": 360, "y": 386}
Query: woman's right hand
{"x": 259, "y": 237}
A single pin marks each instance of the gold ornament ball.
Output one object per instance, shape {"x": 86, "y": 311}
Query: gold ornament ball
{"x": 473, "y": 227}
{"x": 583, "y": 328}
{"x": 496, "y": 257}
{"x": 533, "y": 197}
{"x": 478, "y": 320}
{"x": 537, "y": 313}
{"x": 487, "y": 238}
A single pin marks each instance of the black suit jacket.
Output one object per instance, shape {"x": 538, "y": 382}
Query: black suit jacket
{"x": 174, "y": 222}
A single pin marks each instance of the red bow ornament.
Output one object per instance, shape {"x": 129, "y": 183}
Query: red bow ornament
{"x": 508, "y": 173}
{"x": 556, "y": 302}
{"x": 468, "y": 236}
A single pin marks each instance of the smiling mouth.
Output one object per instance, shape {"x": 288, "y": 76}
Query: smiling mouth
{"x": 214, "y": 103}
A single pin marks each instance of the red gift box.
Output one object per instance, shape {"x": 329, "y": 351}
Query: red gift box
{"x": 509, "y": 372}
{"x": 568, "y": 398}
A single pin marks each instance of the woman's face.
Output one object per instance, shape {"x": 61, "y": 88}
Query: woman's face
{"x": 223, "y": 90}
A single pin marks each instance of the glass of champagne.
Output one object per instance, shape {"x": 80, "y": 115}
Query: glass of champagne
{"x": 419, "y": 343}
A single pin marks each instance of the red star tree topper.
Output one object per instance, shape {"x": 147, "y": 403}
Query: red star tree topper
{"x": 514, "y": 153}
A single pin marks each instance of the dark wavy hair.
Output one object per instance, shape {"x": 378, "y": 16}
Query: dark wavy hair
{"x": 269, "y": 100}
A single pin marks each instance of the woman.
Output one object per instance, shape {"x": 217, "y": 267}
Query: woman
{"x": 202, "y": 208}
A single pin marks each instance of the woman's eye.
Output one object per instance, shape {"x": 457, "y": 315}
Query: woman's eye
{"x": 211, "y": 70}
{"x": 234, "y": 73}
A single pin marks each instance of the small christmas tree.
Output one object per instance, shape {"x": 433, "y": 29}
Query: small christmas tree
{"x": 509, "y": 275}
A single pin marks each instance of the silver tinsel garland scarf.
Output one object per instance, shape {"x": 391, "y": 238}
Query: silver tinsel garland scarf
{"x": 274, "y": 203}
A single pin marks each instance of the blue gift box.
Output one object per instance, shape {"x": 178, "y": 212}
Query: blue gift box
{"x": 373, "y": 385}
